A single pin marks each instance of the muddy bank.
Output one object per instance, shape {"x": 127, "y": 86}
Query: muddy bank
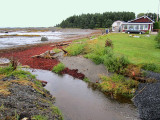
{"x": 26, "y": 99}
{"x": 85, "y": 66}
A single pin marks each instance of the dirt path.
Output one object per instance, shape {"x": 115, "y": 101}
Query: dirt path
{"x": 84, "y": 66}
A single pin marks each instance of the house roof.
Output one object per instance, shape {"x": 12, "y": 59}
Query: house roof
{"x": 142, "y": 19}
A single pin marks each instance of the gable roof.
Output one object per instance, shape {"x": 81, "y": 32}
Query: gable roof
{"x": 143, "y": 19}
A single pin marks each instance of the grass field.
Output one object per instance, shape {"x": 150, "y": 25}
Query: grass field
{"x": 138, "y": 50}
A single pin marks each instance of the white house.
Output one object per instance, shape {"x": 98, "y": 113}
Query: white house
{"x": 117, "y": 26}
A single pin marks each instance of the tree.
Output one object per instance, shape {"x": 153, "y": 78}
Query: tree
{"x": 156, "y": 25}
{"x": 140, "y": 15}
{"x": 96, "y": 20}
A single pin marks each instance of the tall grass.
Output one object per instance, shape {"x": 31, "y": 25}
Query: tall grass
{"x": 117, "y": 84}
{"x": 75, "y": 49}
{"x": 58, "y": 68}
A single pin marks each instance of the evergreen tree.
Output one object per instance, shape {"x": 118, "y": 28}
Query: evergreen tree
{"x": 96, "y": 20}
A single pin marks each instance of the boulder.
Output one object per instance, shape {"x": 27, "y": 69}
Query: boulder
{"x": 44, "y": 39}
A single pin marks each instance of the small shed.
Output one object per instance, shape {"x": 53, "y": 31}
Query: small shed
{"x": 117, "y": 26}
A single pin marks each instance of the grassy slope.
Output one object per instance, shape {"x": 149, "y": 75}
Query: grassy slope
{"x": 138, "y": 50}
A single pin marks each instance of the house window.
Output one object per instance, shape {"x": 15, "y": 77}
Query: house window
{"x": 136, "y": 27}
{"x": 141, "y": 27}
{"x": 131, "y": 27}
{"x": 146, "y": 27}
{"x": 125, "y": 27}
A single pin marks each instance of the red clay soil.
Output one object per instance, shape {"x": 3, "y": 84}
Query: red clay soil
{"x": 25, "y": 58}
{"x": 73, "y": 73}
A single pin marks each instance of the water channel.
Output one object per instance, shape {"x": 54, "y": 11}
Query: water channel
{"x": 79, "y": 102}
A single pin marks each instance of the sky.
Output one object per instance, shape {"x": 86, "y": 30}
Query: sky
{"x": 47, "y": 13}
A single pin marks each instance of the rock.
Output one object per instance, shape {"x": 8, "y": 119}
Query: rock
{"x": 44, "y": 39}
{"x": 4, "y": 61}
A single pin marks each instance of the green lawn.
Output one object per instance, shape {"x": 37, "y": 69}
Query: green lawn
{"x": 138, "y": 50}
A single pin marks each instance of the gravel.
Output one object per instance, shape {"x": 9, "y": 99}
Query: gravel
{"x": 27, "y": 102}
{"x": 147, "y": 98}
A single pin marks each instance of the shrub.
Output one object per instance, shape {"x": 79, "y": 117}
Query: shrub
{"x": 117, "y": 84}
{"x": 98, "y": 54}
{"x": 108, "y": 43}
{"x": 116, "y": 63}
{"x": 75, "y": 49}
{"x": 147, "y": 32}
{"x": 58, "y": 68}
{"x": 150, "y": 67}
{"x": 157, "y": 38}
{"x": 95, "y": 58}
{"x": 156, "y": 25}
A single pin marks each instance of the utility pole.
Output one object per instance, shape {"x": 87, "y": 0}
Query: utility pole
{"x": 158, "y": 11}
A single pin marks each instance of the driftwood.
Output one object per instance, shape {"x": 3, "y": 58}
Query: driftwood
{"x": 47, "y": 55}
{"x": 65, "y": 52}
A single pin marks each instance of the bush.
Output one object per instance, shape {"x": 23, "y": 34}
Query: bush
{"x": 95, "y": 58}
{"x": 116, "y": 63}
{"x": 156, "y": 25}
{"x": 108, "y": 43}
{"x": 157, "y": 38}
{"x": 117, "y": 84}
{"x": 75, "y": 49}
{"x": 150, "y": 67}
{"x": 98, "y": 54}
{"x": 58, "y": 68}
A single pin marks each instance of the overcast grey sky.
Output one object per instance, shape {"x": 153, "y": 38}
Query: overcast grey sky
{"x": 44, "y": 13}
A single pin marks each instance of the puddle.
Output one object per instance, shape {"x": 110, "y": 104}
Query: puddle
{"x": 79, "y": 102}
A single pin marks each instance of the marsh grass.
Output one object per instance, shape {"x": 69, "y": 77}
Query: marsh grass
{"x": 117, "y": 84}
{"x": 58, "y": 68}
{"x": 75, "y": 49}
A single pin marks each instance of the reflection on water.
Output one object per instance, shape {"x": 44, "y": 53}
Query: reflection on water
{"x": 78, "y": 102}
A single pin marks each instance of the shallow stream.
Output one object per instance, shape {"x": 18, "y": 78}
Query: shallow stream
{"x": 79, "y": 102}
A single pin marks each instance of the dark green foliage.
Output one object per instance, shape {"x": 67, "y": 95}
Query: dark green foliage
{"x": 153, "y": 16}
{"x": 116, "y": 63}
{"x": 96, "y": 20}
{"x": 150, "y": 67}
{"x": 58, "y": 68}
{"x": 140, "y": 15}
{"x": 156, "y": 25}
{"x": 157, "y": 38}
